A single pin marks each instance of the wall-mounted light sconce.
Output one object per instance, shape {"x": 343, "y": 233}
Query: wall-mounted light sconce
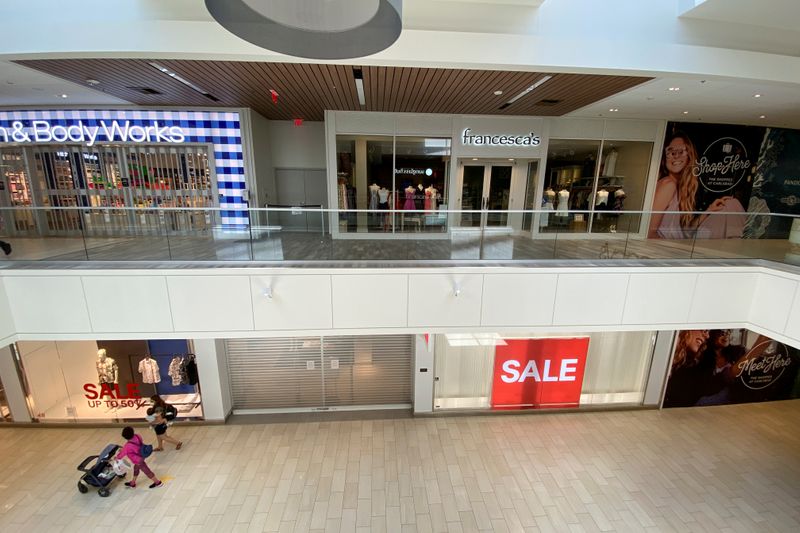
{"x": 456, "y": 289}
{"x": 267, "y": 292}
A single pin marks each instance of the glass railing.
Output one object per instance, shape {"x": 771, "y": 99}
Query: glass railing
{"x": 309, "y": 235}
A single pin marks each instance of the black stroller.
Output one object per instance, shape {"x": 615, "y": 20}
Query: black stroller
{"x": 101, "y": 473}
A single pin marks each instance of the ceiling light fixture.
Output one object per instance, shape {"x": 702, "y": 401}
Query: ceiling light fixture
{"x": 176, "y": 77}
{"x": 674, "y": 88}
{"x": 527, "y": 91}
{"x": 614, "y": 109}
{"x": 498, "y": 93}
{"x": 63, "y": 96}
{"x": 763, "y": 116}
{"x": 92, "y": 82}
{"x": 756, "y": 96}
{"x": 685, "y": 112}
{"x": 474, "y": 158}
{"x": 314, "y": 29}
{"x": 359, "y": 77}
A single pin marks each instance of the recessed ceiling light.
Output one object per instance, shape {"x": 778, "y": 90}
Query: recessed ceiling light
{"x": 182, "y": 80}
{"x": 613, "y": 109}
{"x": 756, "y": 96}
{"x": 474, "y": 158}
{"x": 763, "y": 116}
{"x": 674, "y": 88}
{"x": 63, "y": 96}
{"x": 510, "y": 158}
{"x": 685, "y": 112}
{"x": 92, "y": 82}
{"x": 498, "y": 93}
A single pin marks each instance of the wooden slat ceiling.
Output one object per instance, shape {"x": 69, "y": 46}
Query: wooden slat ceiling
{"x": 306, "y": 90}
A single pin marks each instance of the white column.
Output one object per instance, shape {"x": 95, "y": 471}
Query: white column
{"x": 212, "y": 367}
{"x": 662, "y": 356}
{"x": 15, "y": 395}
{"x": 423, "y": 375}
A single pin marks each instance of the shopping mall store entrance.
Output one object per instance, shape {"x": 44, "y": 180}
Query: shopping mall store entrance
{"x": 106, "y": 176}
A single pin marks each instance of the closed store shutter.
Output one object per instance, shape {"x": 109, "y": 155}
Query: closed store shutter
{"x": 312, "y": 372}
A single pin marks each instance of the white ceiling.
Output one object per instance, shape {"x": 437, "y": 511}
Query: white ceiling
{"x": 706, "y": 100}
{"x": 22, "y": 86}
{"x": 784, "y": 14}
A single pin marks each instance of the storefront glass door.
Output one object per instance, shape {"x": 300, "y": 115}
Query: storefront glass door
{"x": 485, "y": 187}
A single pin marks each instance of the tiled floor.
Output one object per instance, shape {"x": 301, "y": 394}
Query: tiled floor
{"x": 732, "y": 468}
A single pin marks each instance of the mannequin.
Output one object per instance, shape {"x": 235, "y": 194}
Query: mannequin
{"x": 602, "y": 198}
{"x": 107, "y": 369}
{"x": 563, "y": 202}
{"x": 409, "y": 203}
{"x": 610, "y": 165}
{"x": 431, "y": 195}
{"x": 619, "y": 199}
{"x": 383, "y": 198}
{"x": 550, "y": 195}
{"x": 373, "y": 197}
{"x": 148, "y": 368}
{"x": 419, "y": 197}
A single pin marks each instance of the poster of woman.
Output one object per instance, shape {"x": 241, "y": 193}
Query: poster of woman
{"x": 724, "y": 366}
{"x": 705, "y": 181}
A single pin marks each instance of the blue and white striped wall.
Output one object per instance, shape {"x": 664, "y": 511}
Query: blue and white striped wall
{"x": 220, "y": 128}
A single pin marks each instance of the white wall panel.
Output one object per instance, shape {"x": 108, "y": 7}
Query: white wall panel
{"x": 127, "y": 303}
{"x": 297, "y": 146}
{"x": 772, "y": 301}
{"x": 518, "y": 299}
{"x": 424, "y": 124}
{"x": 658, "y": 298}
{"x": 211, "y": 303}
{"x": 722, "y": 297}
{"x": 793, "y": 320}
{"x": 7, "y": 326}
{"x": 432, "y": 299}
{"x": 48, "y": 304}
{"x": 576, "y": 128}
{"x": 376, "y": 123}
{"x": 589, "y": 299}
{"x": 632, "y": 130}
{"x": 298, "y": 302}
{"x": 370, "y": 301}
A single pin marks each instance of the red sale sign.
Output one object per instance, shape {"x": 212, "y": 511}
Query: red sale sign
{"x": 535, "y": 373}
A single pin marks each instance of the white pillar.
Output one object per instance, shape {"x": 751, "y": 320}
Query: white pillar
{"x": 423, "y": 374}
{"x": 15, "y": 395}
{"x": 212, "y": 367}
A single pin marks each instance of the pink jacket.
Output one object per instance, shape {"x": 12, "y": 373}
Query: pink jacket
{"x": 131, "y": 450}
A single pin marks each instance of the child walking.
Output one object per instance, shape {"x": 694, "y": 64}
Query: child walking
{"x": 156, "y": 418}
{"x": 132, "y": 449}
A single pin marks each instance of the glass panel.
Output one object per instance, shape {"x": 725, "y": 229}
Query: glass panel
{"x": 464, "y": 372}
{"x": 616, "y": 367}
{"x": 472, "y": 195}
{"x": 621, "y": 186}
{"x": 421, "y": 172}
{"x": 499, "y": 194}
{"x": 530, "y": 195}
{"x": 5, "y": 412}
{"x": 569, "y": 183}
{"x": 82, "y": 381}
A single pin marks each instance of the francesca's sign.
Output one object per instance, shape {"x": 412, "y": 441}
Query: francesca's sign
{"x": 533, "y": 373}
{"x": 42, "y": 131}
{"x": 505, "y": 139}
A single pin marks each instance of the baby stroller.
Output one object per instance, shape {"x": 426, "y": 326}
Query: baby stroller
{"x": 101, "y": 473}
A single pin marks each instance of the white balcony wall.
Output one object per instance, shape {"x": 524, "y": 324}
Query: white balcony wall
{"x": 229, "y": 302}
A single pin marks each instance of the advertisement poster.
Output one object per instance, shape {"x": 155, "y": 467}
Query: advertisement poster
{"x": 726, "y": 366}
{"x": 539, "y": 373}
{"x": 734, "y": 177}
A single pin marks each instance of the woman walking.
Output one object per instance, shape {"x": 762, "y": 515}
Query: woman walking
{"x": 132, "y": 449}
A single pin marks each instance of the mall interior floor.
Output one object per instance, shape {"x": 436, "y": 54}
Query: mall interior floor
{"x": 729, "y": 468}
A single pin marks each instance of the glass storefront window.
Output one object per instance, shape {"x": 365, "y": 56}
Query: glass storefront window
{"x": 5, "y": 412}
{"x": 91, "y": 381}
{"x": 542, "y": 370}
{"x": 392, "y": 173}
{"x": 569, "y": 184}
{"x": 621, "y": 185}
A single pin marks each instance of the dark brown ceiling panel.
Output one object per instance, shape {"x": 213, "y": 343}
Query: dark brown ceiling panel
{"x": 306, "y": 90}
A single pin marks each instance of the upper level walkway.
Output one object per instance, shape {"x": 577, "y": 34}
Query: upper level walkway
{"x": 307, "y": 236}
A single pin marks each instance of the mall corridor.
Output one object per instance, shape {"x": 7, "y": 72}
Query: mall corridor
{"x": 727, "y": 468}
